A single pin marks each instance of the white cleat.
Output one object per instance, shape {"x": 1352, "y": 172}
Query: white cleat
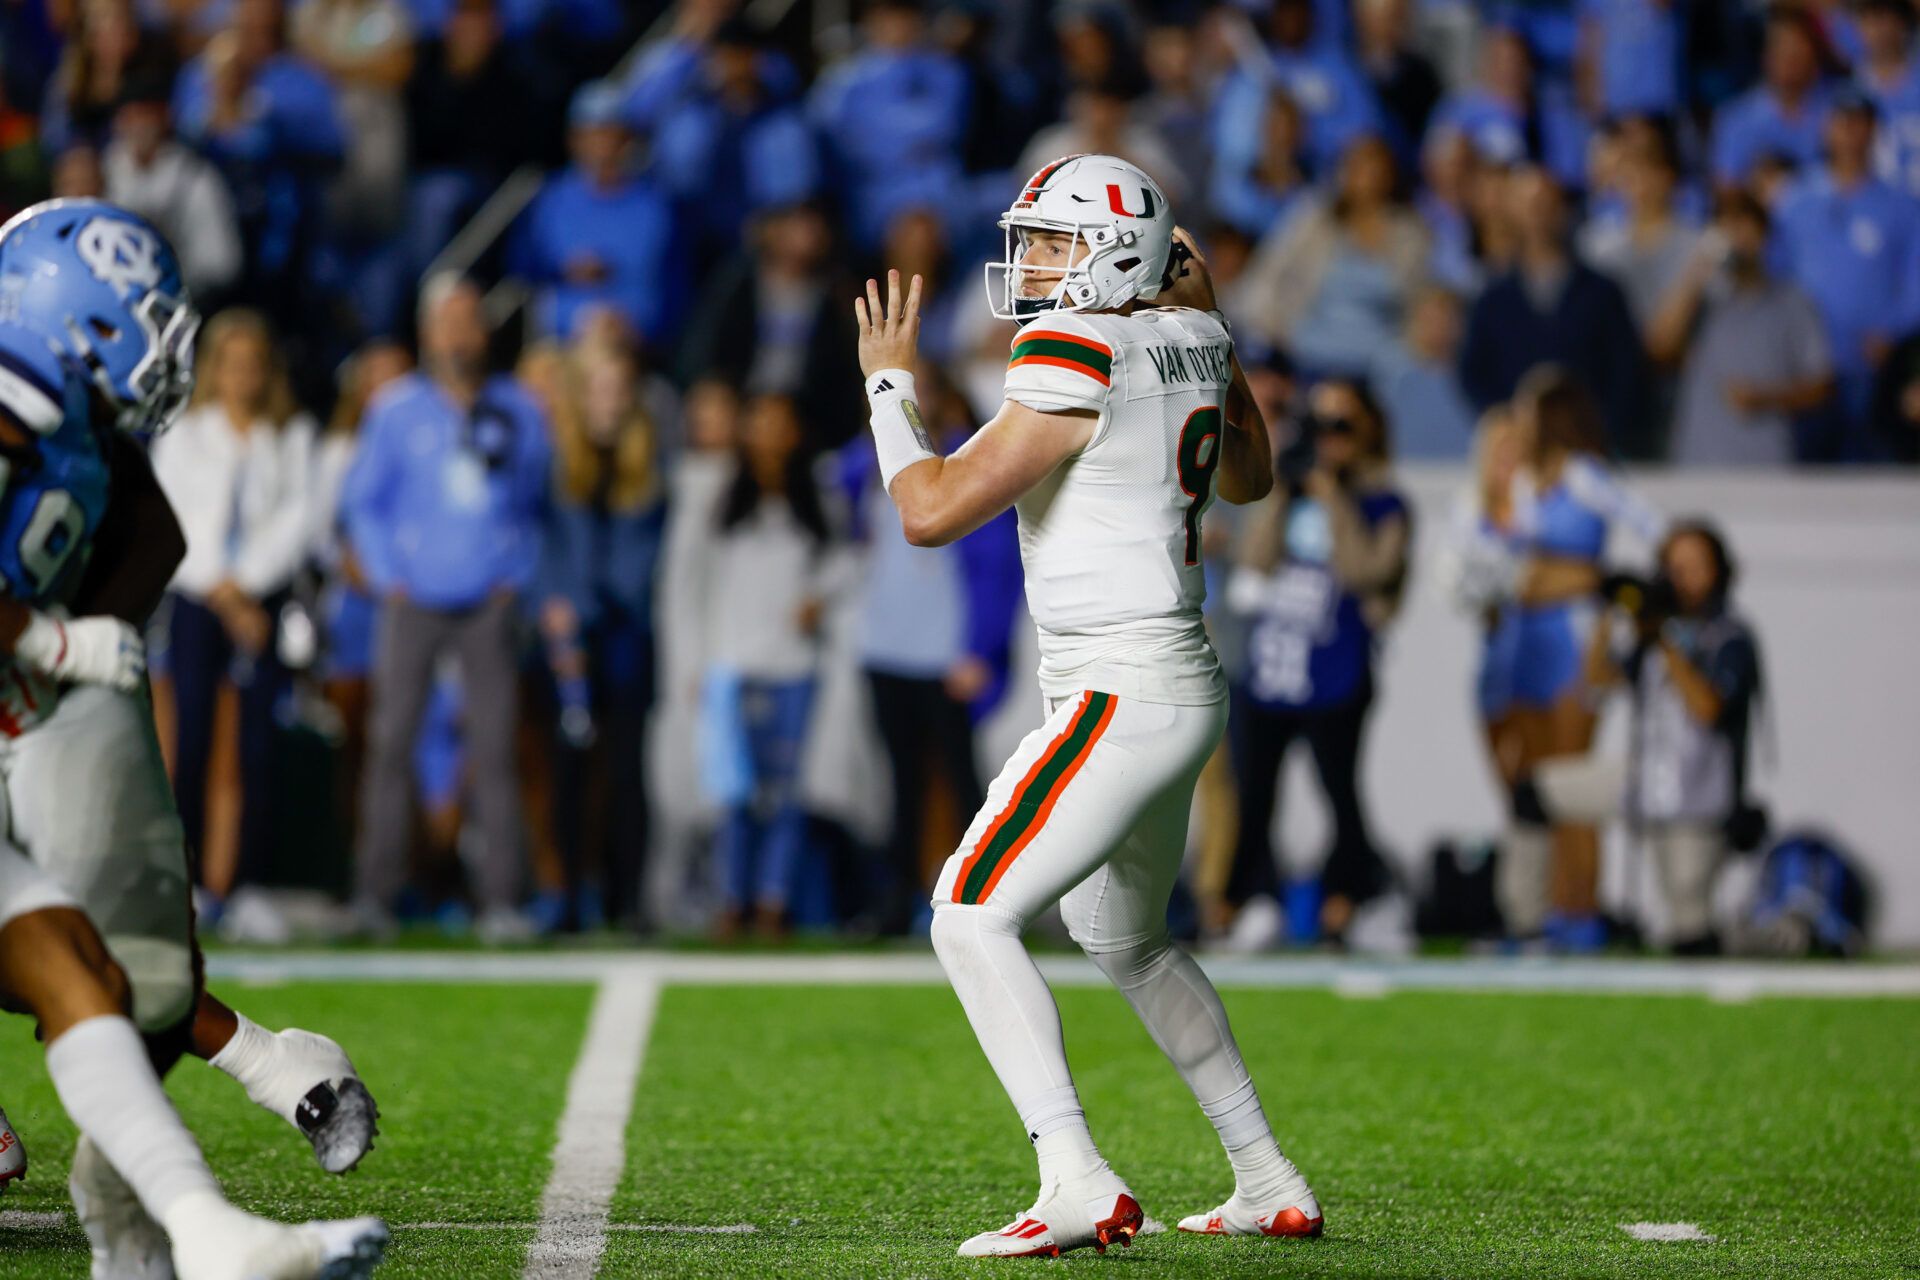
{"x": 1095, "y": 1211}
{"x": 335, "y": 1111}
{"x": 1294, "y": 1214}
{"x": 13, "y": 1156}
{"x": 223, "y": 1243}
{"x": 127, "y": 1243}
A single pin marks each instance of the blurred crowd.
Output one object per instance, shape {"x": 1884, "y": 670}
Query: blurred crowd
{"x": 588, "y": 550}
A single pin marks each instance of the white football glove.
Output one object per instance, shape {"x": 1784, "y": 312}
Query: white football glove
{"x": 97, "y": 650}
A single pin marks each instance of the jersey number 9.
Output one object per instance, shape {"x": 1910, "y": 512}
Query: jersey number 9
{"x": 1197, "y": 459}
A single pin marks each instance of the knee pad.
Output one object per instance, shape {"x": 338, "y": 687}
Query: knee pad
{"x": 1128, "y": 962}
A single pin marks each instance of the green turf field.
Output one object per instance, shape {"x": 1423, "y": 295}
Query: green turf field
{"x": 857, "y": 1131}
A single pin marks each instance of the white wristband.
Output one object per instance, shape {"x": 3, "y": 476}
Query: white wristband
{"x": 899, "y": 436}
{"x": 42, "y": 643}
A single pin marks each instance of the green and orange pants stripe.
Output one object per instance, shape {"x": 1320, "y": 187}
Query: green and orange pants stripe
{"x": 1015, "y": 826}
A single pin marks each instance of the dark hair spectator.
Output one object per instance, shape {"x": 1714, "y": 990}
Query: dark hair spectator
{"x": 771, "y": 322}
{"x": 1551, "y": 307}
{"x": 1320, "y": 575}
{"x": 774, "y": 560}
{"x": 106, "y": 50}
{"x": 1255, "y": 199}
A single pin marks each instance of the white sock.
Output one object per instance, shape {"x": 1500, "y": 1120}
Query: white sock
{"x": 1261, "y": 1173}
{"x": 1182, "y": 1012}
{"x": 251, "y": 1057}
{"x": 100, "y": 1070}
{"x": 1057, "y": 1126}
{"x": 1018, "y": 1025}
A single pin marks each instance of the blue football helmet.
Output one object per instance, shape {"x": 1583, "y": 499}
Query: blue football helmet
{"x": 104, "y": 286}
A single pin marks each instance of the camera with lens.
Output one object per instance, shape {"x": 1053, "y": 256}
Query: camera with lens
{"x": 1297, "y": 460}
{"x": 1649, "y": 601}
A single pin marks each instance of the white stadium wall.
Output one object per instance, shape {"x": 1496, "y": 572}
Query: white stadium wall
{"x": 1830, "y": 578}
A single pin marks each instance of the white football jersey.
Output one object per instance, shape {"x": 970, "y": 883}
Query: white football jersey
{"x": 1111, "y": 540}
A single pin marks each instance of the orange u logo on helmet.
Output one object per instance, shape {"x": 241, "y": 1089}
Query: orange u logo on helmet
{"x": 1114, "y": 202}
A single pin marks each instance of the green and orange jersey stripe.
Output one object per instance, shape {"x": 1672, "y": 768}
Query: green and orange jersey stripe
{"x": 1017, "y": 824}
{"x": 1064, "y": 351}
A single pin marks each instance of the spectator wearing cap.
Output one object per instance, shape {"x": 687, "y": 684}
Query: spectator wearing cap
{"x": 1889, "y": 73}
{"x": 600, "y": 234}
{"x": 151, "y": 172}
{"x": 1852, "y": 244}
{"x": 472, "y": 115}
{"x": 1627, "y": 61}
{"x": 1552, "y": 308}
{"x": 1333, "y": 96}
{"x": 894, "y": 118}
{"x": 270, "y": 122}
{"x": 1510, "y": 116}
{"x": 1751, "y": 349}
{"x": 728, "y": 138}
{"x": 1783, "y": 113}
{"x": 444, "y": 507}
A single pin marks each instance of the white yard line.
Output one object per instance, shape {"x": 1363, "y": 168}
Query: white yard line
{"x": 1723, "y": 980}
{"x": 591, "y": 1150}
{"x": 1666, "y": 1232}
{"x": 27, "y": 1219}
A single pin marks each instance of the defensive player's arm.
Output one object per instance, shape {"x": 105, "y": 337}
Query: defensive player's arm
{"x": 944, "y": 499}
{"x": 138, "y": 545}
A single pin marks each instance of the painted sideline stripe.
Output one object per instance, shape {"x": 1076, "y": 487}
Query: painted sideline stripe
{"x": 1722, "y": 979}
{"x": 28, "y": 1220}
{"x": 591, "y": 1151}
{"x": 1666, "y": 1232}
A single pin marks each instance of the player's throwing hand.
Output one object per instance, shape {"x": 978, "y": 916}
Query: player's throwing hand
{"x": 889, "y": 337}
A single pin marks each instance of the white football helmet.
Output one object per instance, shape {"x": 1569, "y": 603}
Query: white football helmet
{"x": 1114, "y": 208}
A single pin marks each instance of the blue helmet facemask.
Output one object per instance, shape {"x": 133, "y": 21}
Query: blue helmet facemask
{"x": 104, "y": 286}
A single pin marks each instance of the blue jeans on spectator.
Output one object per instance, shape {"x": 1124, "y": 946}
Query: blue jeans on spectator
{"x": 439, "y": 201}
{"x": 201, "y": 656}
{"x": 763, "y": 836}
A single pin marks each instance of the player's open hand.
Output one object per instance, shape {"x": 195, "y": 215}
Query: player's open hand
{"x": 1192, "y": 284}
{"x": 889, "y": 336}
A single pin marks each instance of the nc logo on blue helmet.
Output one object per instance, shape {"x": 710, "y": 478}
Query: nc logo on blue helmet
{"x": 104, "y": 286}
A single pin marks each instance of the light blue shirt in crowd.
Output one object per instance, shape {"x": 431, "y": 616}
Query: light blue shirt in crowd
{"x": 426, "y": 511}
{"x": 1856, "y": 253}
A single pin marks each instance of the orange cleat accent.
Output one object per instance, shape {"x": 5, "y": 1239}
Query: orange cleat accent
{"x": 1292, "y": 1224}
{"x": 1122, "y": 1227}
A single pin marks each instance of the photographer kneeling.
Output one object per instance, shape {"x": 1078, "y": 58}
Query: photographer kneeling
{"x": 1694, "y": 670}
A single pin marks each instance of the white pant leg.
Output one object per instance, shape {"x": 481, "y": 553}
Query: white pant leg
{"x": 25, "y": 888}
{"x": 1071, "y": 795}
{"x": 92, "y": 807}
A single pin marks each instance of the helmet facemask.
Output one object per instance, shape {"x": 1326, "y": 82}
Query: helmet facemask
{"x": 1073, "y": 287}
{"x": 160, "y": 383}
